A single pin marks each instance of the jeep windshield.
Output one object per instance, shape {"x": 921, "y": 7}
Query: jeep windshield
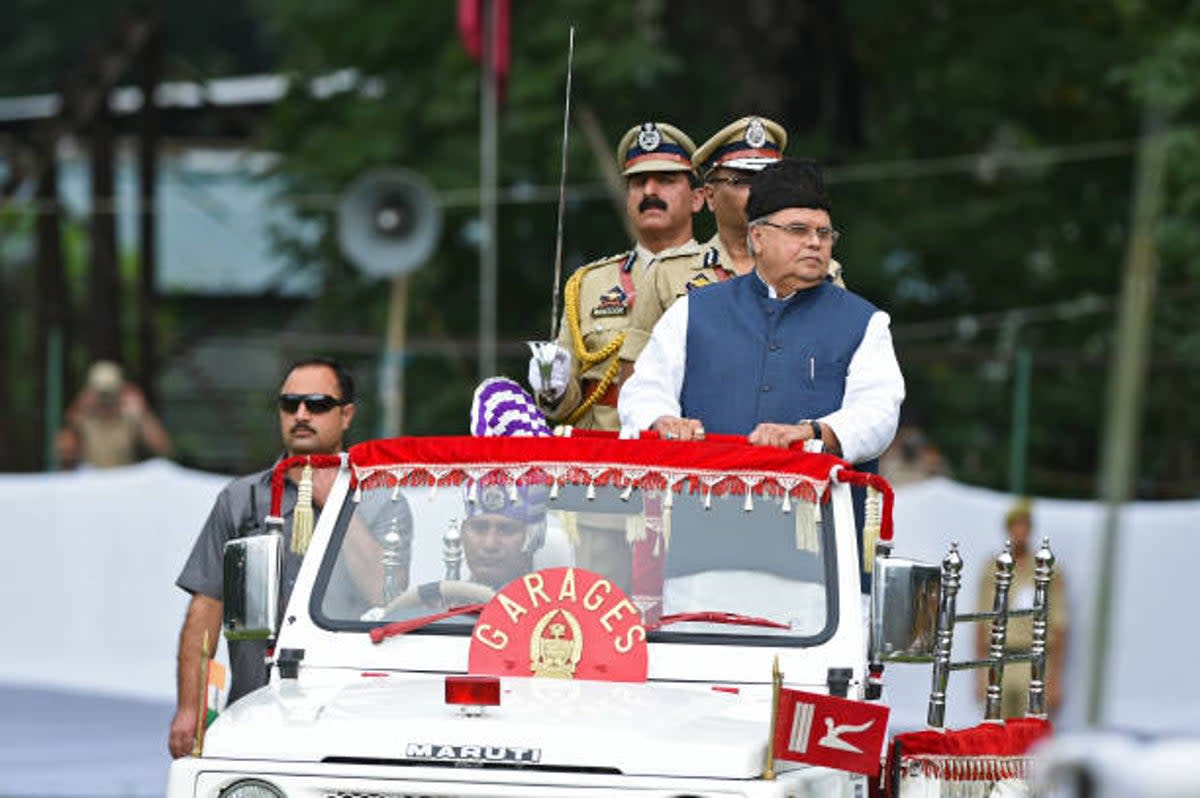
{"x": 434, "y": 524}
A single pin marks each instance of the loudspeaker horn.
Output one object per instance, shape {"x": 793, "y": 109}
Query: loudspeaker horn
{"x": 389, "y": 221}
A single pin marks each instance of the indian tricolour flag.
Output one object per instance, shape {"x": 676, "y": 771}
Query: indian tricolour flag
{"x": 216, "y": 685}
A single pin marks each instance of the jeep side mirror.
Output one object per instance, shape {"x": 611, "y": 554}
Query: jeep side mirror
{"x": 252, "y": 567}
{"x": 904, "y": 610}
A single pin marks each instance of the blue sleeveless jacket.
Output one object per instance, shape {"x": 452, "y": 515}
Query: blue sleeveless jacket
{"x": 753, "y": 359}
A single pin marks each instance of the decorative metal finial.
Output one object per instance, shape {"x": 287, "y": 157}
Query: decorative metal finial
{"x": 452, "y": 550}
{"x": 1043, "y": 572}
{"x": 392, "y": 560}
{"x": 947, "y": 613}
{"x": 1044, "y": 557}
{"x": 993, "y": 709}
{"x": 952, "y": 562}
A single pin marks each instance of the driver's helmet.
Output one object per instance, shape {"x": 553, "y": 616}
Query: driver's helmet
{"x": 524, "y": 503}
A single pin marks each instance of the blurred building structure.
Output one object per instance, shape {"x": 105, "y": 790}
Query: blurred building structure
{"x": 217, "y": 280}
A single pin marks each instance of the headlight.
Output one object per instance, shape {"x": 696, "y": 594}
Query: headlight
{"x": 252, "y": 788}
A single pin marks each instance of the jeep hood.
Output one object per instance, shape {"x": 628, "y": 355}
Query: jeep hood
{"x": 630, "y": 728}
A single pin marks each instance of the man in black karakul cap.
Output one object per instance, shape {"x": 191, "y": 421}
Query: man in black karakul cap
{"x": 781, "y": 354}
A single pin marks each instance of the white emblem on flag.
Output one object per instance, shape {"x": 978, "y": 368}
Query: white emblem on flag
{"x": 801, "y": 726}
{"x": 832, "y": 738}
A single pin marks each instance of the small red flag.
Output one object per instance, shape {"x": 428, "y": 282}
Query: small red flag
{"x": 470, "y": 27}
{"x": 830, "y": 731}
{"x": 470, "y": 31}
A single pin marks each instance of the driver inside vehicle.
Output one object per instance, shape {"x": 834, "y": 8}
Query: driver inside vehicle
{"x": 501, "y": 533}
{"x": 505, "y": 528}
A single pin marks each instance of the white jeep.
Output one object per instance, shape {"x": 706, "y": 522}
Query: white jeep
{"x": 650, "y": 591}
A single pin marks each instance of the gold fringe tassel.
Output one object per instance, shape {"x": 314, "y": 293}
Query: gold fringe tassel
{"x": 871, "y": 527}
{"x": 808, "y": 518}
{"x": 302, "y": 517}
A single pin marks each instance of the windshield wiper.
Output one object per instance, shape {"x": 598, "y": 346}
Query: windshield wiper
{"x": 728, "y": 618}
{"x": 381, "y": 633}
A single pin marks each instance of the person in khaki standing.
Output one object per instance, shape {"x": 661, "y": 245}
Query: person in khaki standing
{"x": 109, "y": 423}
{"x": 597, "y": 345}
{"x": 727, "y": 162}
{"x": 1014, "y": 700}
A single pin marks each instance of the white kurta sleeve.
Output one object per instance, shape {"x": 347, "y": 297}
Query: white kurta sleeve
{"x": 866, "y": 422}
{"x": 657, "y": 379}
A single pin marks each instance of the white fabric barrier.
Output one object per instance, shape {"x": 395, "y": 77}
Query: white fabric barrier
{"x": 91, "y": 559}
{"x": 1151, "y": 643}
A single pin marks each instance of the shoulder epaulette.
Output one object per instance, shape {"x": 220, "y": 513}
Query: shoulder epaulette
{"x": 683, "y": 251}
{"x": 620, "y": 256}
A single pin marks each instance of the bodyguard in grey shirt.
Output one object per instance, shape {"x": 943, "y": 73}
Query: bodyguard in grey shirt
{"x": 316, "y": 406}
{"x": 240, "y": 511}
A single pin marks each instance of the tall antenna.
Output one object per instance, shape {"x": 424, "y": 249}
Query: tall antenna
{"x": 562, "y": 191}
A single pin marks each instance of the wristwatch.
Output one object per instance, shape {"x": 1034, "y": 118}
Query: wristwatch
{"x": 816, "y": 428}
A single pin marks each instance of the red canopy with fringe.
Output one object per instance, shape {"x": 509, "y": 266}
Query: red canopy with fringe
{"x": 719, "y": 465}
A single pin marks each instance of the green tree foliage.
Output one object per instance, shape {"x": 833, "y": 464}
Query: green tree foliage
{"x": 981, "y": 161}
{"x": 981, "y": 154}
{"x": 1039, "y": 219}
{"x": 45, "y": 40}
{"x": 417, "y": 105}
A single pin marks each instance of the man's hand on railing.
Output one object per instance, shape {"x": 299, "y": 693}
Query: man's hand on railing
{"x": 670, "y": 428}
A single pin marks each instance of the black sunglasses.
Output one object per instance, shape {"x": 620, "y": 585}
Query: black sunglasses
{"x": 315, "y": 402}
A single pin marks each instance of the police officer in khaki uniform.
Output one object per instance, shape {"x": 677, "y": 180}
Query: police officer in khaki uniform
{"x": 598, "y": 344}
{"x": 727, "y": 161}
{"x": 1018, "y": 524}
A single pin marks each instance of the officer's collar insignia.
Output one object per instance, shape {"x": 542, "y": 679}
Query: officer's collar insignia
{"x": 493, "y": 499}
{"x": 627, "y": 266}
{"x": 613, "y": 302}
{"x": 560, "y": 623}
{"x": 711, "y": 257}
{"x": 756, "y": 134}
{"x": 648, "y": 137}
{"x": 699, "y": 281}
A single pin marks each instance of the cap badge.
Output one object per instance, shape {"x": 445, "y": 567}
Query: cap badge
{"x": 648, "y": 137}
{"x": 756, "y": 134}
{"x": 493, "y": 498}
